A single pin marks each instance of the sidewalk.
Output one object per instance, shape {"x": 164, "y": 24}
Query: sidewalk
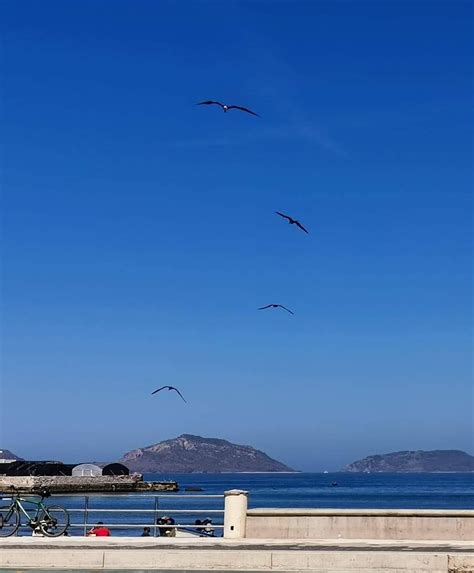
{"x": 336, "y": 555}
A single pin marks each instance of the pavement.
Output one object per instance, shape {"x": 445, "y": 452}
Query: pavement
{"x": 251, "y": 555}
{"x": 202, "y": 543}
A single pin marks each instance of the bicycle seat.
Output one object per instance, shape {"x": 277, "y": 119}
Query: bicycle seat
{"x": 43, "y": 493}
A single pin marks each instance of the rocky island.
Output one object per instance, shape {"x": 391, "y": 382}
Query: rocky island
{"x": 194, "y": 454}
{"x": 415, "y": 461}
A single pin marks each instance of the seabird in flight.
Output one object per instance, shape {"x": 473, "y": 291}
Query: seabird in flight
{"x": 227, "y": 107}
{"x": 276, "y": 306}
{"x": 292, "y": 221}
{"x": 169, "y": 388}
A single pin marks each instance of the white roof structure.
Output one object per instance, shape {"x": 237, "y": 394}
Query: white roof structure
{"x": 86, "y": 470}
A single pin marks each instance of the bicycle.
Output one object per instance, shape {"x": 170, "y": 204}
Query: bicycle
{"x": 51, "y": 520}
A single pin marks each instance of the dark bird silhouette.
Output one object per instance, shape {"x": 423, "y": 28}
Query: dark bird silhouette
{"x": 169, "y": 388}
{"x": 292, "y": 221}
{"x": 276, "y": 306}
{"x": 227, "y": 107}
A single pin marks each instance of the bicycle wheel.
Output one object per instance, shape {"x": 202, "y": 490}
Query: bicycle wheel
{"x": 9, "y": 521}
{"x": 54, "y": 520}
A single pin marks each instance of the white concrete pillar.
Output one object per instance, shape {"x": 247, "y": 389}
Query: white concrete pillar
{"x": 235, "y": 513}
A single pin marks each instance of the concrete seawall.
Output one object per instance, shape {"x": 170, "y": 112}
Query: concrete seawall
{"x": 417, "y": 524}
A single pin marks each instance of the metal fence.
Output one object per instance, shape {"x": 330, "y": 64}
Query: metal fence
{"x": 86, "y": 515}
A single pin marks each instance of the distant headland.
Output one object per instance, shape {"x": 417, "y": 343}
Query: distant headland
{"x": 415, "y": 461}
{"x": 195, "y": 454}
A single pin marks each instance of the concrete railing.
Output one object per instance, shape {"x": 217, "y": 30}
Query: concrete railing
{"x": 387, "y": 524}
{"x": 457, "y": 525}
{"x": 235, "y": 513}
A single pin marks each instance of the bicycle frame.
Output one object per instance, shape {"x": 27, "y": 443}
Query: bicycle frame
{"x": 40, "y": 507}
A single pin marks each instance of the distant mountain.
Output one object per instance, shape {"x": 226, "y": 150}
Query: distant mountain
{"x": 194, "y": 454}
{"x": 415, "y": 461}
{"x": 7, "y": 455}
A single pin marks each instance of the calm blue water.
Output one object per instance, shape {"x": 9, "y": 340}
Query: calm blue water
{"x": 429, "y": 491}
{"x": 409, "y": 491}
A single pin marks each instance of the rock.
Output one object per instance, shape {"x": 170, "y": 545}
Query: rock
{"x": 188, "y": 454}
{"x": 415, "y": 461}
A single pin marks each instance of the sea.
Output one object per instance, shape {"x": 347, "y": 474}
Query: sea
{"x": 292, "y": 490}
{"x": 341, "y": 490}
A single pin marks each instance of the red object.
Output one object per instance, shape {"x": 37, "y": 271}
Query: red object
{"x": 100, "y": 532}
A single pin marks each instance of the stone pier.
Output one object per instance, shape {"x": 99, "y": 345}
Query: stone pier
{"x": 83, "y": 484}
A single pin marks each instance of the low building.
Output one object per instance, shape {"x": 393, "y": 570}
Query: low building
{"x": 86, "y": 470}
{"x": 115, "y": 469}
{"x": 37, "y": 468}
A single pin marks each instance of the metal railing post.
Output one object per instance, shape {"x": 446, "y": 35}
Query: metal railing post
{"x": 155, "y": 519}
{"x": 86, "y": 513}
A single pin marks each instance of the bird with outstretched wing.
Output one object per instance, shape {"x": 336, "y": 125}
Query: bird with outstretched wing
{"x": 276, "y": 306}
{"x": 292, "y": 221}
{"x": 242, "y": 109}
{"x": 169, "y": 388}
{"x": 227, "y": 107}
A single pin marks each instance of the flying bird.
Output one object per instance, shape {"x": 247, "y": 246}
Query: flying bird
{"x": 292, "y": 221}
{"x": 169, "y": 388}
{"x": 276, "y": 306}
{"x": 227, "y": 107}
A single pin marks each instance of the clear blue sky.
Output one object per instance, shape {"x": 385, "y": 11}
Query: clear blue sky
{"x": 139, "y": 234}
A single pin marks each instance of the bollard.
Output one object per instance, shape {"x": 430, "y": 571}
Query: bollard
{"x": 235, "y": 513}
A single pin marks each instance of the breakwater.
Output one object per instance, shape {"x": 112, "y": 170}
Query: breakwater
{"x": 83, "y": 484}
